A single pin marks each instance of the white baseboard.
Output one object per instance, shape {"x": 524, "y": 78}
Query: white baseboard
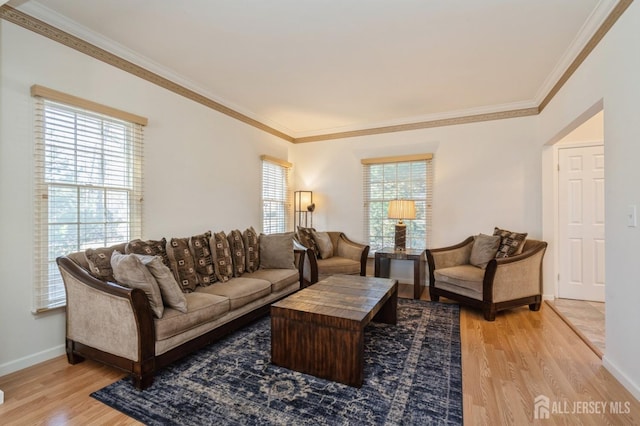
{"x": 1, "y": 397}
{"x": 548, "y": 297}
{"x": 33, "y": 359}
{"x": 621, "y": 377}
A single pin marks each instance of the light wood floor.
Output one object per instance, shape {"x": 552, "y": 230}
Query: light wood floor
{"x": 506, "y": 364}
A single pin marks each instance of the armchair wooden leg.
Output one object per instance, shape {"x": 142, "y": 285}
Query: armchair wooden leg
{"x": 535, "y": 306}
{"x": 489, "y": 312}
{"x": 433, "y": 297}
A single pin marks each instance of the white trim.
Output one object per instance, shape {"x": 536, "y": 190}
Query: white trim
{"x": 30, "y": 360}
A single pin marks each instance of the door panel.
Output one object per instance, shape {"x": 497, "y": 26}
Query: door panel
{"x": 581, "y": 223}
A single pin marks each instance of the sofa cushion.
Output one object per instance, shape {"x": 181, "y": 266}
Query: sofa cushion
{"x": 238, "y": 254}
{"x": 129, "y": 271}
{"x": 239, "y": 291}
{"x": 484, "y": 249}
{"x": 201, "y": 308}
{"x": 276, "y": 251}
{"x": 149, "y": 248}
{"x": 465, "y": 276}
{"x": 172, "y": 295}
{"x": 338, "y": 265}
{"x": 221, "y": 252}
{"x": 511, "y": 243}
{"x": 182, "y": 263}
{"x": 279, "y": 278}
{"x": 325, "y": 246}
{"x": 203, "y": 259}
{"x": 252, "y": 249}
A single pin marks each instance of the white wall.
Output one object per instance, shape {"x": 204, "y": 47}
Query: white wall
{"x": 610, "y": 76}
{"x": 485, "y": 175}
{"x": 202, "y": 171}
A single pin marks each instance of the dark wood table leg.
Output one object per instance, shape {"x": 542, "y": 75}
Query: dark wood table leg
{"x": 418, "y": 277}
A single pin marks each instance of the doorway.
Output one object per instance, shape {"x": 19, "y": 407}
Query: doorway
{"x": 576, "y": 226}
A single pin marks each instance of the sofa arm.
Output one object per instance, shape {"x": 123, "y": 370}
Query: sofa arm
{"x": 446, "y": 257}
{"x": 105, "y": 316}
{"x": 515, "y": 277}
{"x": 351, "y": 250}
{"x": 300, "y": 254}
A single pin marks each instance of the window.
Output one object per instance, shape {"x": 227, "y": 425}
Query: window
{"x": 276, "y": 198}
{"x": 88, "y": 182}
{"x": 391, "y": 178}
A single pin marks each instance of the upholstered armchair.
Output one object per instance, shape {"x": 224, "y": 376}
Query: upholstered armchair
{"x": 503, "y": 284}
{"x": 330, "y": 253}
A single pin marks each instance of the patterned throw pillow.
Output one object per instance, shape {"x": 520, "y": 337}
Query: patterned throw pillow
{"x": 149, "y": 248}
{"x": 305, "y": 236}
{"x": 222, "y": 262}
{"x": 99, "y": 261}
{"x": 182, "y": 264}
{"x": 252, "y": 249}
{"x": 511, "y": 243}
{"x": 238, "y": 255}
{"x": 199, "y": 245}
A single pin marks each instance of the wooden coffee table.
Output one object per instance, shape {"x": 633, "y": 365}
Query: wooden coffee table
{"x": 320, "y": 329}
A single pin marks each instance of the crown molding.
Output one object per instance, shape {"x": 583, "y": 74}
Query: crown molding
{"x": 85, "y": 41}
{"x": 410, "y": 121}
{"x": 500, "y": 115}
{"x": 611, "y": 18}
{"x": 40, "y": 27}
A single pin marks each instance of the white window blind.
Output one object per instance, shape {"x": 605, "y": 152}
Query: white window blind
{"x": 397, "y": 178}
{"x": 88, "y": 188}
{"x": 276, "y": 197}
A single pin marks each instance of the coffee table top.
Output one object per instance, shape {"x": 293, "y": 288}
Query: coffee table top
{"x": 346, "y": 297}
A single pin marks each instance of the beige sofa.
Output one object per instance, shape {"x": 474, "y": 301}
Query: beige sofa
{"x": 120, "y": 326}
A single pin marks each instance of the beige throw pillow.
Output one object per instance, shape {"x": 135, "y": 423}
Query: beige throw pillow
{"x": 484, "y": 249}
{"x": 172, "y": 295}
{"x": 129, "y": 271}
{"x": 323, "y": 242}
{"x": 276, "y": 251}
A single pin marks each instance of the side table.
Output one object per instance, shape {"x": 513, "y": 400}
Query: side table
{"x": 383, "y": 260}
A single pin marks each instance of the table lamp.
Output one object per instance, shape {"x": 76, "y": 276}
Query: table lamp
{"x": 401, "y": 209}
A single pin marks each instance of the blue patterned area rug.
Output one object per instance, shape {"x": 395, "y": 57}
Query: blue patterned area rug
{"x": 412, "y": 377}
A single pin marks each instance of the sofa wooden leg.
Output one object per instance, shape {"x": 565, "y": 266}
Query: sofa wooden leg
{"x": 72, "y": 358}
{"x": 535, "y": 306}
{"x": 434, "y": 297}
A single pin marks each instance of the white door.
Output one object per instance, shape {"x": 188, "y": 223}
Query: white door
{"x": 581, "y": 223}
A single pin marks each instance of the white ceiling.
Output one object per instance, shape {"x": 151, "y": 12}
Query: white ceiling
{"x": 309, "y": 67}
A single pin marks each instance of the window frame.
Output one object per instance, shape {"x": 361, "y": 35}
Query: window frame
{"x": 115, "y": 132}
{"x": 384, "y": 236}
{"x": 276, "y": 195}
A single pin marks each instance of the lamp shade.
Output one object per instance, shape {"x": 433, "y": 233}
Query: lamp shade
{"x": 402, "y": 209}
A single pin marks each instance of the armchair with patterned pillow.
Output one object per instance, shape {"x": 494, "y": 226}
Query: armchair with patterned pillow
{"x": 490, "y": 272}
{"x": 330, "y": 253}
